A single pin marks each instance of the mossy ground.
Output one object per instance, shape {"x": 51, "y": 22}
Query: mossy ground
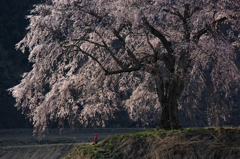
{"x": 189, "y": 143}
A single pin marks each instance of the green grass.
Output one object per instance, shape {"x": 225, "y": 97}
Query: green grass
{"x": 84, "y": 151}
{"x": 211, "y": 142}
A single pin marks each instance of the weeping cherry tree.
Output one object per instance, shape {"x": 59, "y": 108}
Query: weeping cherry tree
{"x": 92, "y": 58}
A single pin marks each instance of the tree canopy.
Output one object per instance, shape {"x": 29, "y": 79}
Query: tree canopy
{"x": 95, "y": 57}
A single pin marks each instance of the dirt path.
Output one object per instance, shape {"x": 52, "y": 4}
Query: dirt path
{"x": 66, "y": 133}
{"x": 55, "y": 133}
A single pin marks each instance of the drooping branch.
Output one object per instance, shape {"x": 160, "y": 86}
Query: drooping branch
{"x": 107, "y": 72}
{"x": 84, "y": 52}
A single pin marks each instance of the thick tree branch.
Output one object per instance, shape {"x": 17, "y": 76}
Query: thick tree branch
{"x": 122, "y": 26}
{"x": 84, "y": 52}
{"x": 174, "y": 13}
{"x": 184, "y": 20}
{"x": 200, "y": 33}
{"x": 135, "y": 60}
{"x": 130, "y": 53}
{"x": 92, "y": 42}
{"x": 151, "y": 46}
{"x": 110, "y": 51}
{"x": 207, "y": 27}
{"x": 135, "y": 68}
{"x": 158, "y": 34}
{"x": 95, "y": 15}
{"x": 169, "y": 60}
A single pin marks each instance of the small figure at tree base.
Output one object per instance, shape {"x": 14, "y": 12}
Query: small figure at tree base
{"x": 95, "y": 139}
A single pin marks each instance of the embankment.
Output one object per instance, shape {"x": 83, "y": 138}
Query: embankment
{"x": 200, "y": 143}
{"x": 20, "y": 144}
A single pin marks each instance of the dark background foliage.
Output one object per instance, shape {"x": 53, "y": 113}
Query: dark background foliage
{"x": 12, "y": 63}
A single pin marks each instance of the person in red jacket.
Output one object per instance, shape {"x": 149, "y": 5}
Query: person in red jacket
{"x": 95, "y": 139}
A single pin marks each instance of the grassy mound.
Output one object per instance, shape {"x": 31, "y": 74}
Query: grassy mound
{"x": 211, "y": 143}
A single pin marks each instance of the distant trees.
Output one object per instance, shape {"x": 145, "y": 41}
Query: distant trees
{"x": 94, "y": 57}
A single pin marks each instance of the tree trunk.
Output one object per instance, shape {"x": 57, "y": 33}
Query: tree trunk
{"x": 169, "y": 117}
{"x": 168, "y": 100}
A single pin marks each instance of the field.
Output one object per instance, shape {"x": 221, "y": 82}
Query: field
{"x": 20, "y": 143}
